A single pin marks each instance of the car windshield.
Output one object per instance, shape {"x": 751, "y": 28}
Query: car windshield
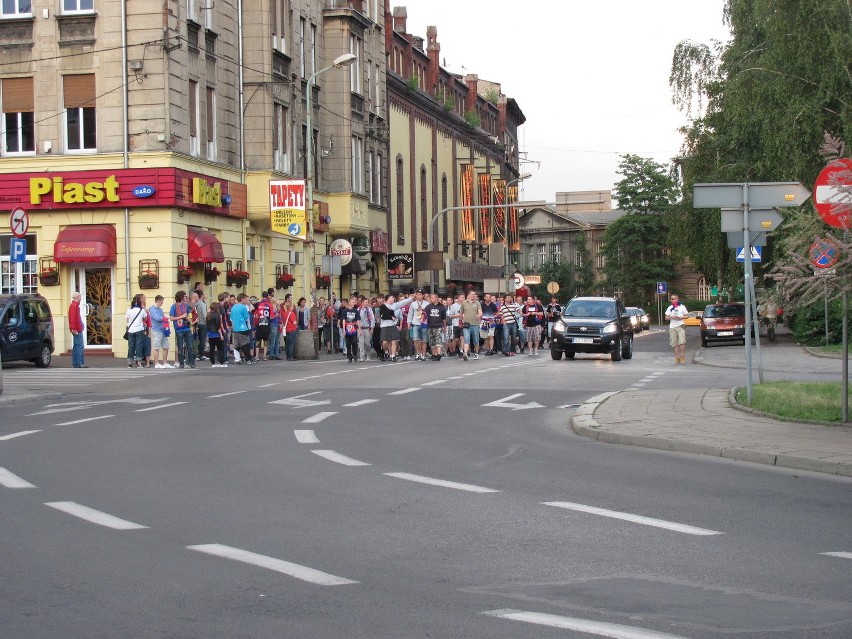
{"x": 590, "y": 308}
{"x": 724, "y": 310}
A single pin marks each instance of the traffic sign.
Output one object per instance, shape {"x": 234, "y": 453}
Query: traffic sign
{"x": 735, "y": 239}
{"x": 824, "y": 253}
{"x": 832, "y": 201}
{"x": 519, "y": 281}
{"x": 761, "y": 195}
{"x": 756, "y": 253}
{"x": 662, "y": 288}
{"x": 553, "y": 288}
{"x": 19, "y": 222}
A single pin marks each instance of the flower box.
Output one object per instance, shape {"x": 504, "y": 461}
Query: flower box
{"x": 211, "y": 275}
{"x": 184, "y": 274}
{"x": 149, "y": 280}
{"x": 237, "y": 278}
{"x": 49, "y": 277}
{"x": 285, "y": 281}
{"x": 323, "y": 281}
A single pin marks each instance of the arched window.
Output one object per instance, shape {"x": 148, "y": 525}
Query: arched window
{"x": 703, "y": 289}
{"x": 400, "y": 202}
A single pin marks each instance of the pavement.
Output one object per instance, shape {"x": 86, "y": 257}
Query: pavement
{"x": 707, "y": 421}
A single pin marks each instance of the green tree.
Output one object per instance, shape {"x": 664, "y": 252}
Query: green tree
{"x": 646, "y": 188}
{"x": 583, "y": 274}
{"x": 559, "y": 272}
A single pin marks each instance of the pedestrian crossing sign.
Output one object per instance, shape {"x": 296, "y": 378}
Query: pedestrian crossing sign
{"x": 756, "y": 253}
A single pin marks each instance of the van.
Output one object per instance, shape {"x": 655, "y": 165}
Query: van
{"x": 26, "y": 329}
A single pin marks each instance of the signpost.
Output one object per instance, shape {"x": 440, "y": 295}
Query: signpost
{"x": 19, "y": 222}
{"x": 756, "y": 253}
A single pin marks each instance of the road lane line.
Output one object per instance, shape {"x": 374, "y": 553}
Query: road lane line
{"x": 599, "y": 628}
{"x": 226, "y": 394}
{"x": 361, "y": 402}
{"x": 268, "y": 385}
{"x": 842, "y": 555}
{"x": 404, "y": 391}
{"x": 442, "y": 483}
{"x": 11, "y": 480}
{"x": 434, "y": 381}
{"x": 94, "y": 516}
{"x": 87, "y": 419}
{"x": 142, "y": 410}
{"x": 306, "y": 437}
{"x": 21, "y": 434}
{"x": 637, "y": 519}
{"x": 302, "y": 573}
{"x": 315, "y": 419}
{"x": 67, "y": 409}
{"x": 336, "y": 457}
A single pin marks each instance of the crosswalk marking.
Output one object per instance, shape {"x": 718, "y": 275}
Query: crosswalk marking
{"x": 142, "y": 410}
{"x": 404, "y": 391}
{"x": 306, "y": 437}
{"x": 361, "y": 402}
{"x": 94, "y": 516}
{"x": 50, "y": 377}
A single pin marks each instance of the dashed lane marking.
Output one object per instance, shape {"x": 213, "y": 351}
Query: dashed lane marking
{"x": 87, "y": 419}
{"x": 315, "y": 419}
{"x": 598, "y": 628}
{"x": 268, "y": 385}
{"x": 842, "y": 555}
{"x": 420, "y": 479}
{"x": 21, "y": 434}
{"x": 404, "y": 391}
{"x": 11, "y": 480}
{"x": 303, "y": 573}
{"x": 336, "y": 457}
{"x": 93, "y": 516}
{"x": 636, "y": 519}
{"x": 306, "y": 437}
{"x": 362, "y": 402}
{"x": 226, "y": 394}
{"x": 434, "y": 382}
{"x": 142, "y": 410}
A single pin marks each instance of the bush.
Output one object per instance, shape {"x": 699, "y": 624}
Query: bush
{"x": 808, "y": 323}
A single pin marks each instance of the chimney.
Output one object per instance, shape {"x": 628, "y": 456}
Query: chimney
{"x": 433, "y": 50}
{"x": 400, "y": 17}
{"x": 472, "y": 82}
{"x": 417, "y": 42}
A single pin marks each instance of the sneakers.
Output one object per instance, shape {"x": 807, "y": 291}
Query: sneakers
{"x": 158, "y": 365}
{"x": 166, "y": 365}
{"x": 476, "y": 356}
{"x": 464, "y": 356}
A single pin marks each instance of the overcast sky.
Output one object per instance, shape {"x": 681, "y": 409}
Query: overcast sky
{"x": 590, "y": 76}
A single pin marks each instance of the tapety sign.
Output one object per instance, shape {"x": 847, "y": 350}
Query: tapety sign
{"x": 288, "y": 208}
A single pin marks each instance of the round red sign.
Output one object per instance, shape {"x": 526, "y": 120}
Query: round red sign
{"x": 833, "y": 194}
{"x": 824, "y": 253}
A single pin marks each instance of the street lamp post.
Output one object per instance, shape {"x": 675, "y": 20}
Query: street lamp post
{"x": 340, "y": 61}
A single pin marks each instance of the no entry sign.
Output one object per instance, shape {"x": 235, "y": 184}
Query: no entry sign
{"x": 833, "y": 194}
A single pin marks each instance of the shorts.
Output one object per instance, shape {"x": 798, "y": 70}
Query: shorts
{"x": 457, "y": 332}
{"x": 418, "y": 333}
{"x": 436, "y": 336}
{"x": 159, "y": 341}
{"x": 534, "y": 333}
{"x": 471, "y": 335}
{"x": 389, "y": 333}
{"x": 677, "y": 335}
{"x": 241, "y": 340}
{"x": 262, "y": 333}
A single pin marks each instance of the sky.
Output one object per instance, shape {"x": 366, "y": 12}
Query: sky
{"x": 591, "y": 77}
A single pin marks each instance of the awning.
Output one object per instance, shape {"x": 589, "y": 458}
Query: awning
{"x": 203, "y": 246}
{"x": 356, "y": 266}
{"x": 85, "y": 243}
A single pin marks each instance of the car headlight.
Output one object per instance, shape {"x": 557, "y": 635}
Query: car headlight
{"x": 559, "y": 327}
{"x": 610, "y": 328}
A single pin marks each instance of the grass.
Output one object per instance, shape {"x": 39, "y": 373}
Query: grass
{"x": 831, "y": 348}
{"x": 804, "y": 401}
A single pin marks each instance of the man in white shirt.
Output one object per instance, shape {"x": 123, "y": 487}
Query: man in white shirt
{"x": 675, "y": 314}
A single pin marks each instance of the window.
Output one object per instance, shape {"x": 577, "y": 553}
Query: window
{"x": 210, "y": 113}
{"x": 703, "y": 289}
{"x": 376, "y": 89}
{"x": 424, "y": 213}
{"x": 280, "y": 150}
{"x": 80, "y": 123}
{"x": 357, "y": 164}
{"x": 302, "y": 60}
{"x": 15, "y": 277}
{"x": 78, "y": 6}
{"x": 313, "y": 48}
{"x": 355, "y": 67}
{"x": 194, "y": 144}
{"x": 400, "y": 202}
{"x": 279, "y": 22}
{"x": 368, "y": 176}
{"x": 16, "y": 106}
{"x": 600, "y": 258}
{"x": 531, "y": 258}
{"x": 369, "y": 84}
{"x": 556, "y": 252}
{"x": 377, "y": 181}
{"x": 16, "y": 8}
{"x": 542, "y": 254}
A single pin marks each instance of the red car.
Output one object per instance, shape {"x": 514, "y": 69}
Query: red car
{"x": 723, "y": 323}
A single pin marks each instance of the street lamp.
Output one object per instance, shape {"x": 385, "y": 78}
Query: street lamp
{"x": 340, "y": 61}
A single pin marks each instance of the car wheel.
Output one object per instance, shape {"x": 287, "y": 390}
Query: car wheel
{"x": 569, "y": 354}
{"x": 627, "y": 352}
{"x": 619, "y": 346}
{"x": 704, "y": 342}
{"x": 44, "y": 356}
{"x": 556, "y": 353}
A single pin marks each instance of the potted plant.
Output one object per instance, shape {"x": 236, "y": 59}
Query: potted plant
{"x": 237, "y": 278}
{"x": 284, "y": 280}
{"x": 184, "y": 274}
{"x": 323, "y": 281}
{"x": 211, "y": 274}
{"x": 49, "y": 276}
{"x": 148, "y": 279}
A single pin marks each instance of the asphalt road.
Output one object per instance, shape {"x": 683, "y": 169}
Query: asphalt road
{"x": 322, "y": 499}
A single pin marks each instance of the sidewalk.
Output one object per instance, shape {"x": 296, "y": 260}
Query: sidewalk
{"x": 707, "y": 424}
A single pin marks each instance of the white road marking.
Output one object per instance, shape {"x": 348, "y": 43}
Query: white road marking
{"x": 637, "y": 519}
{"x": 11, "y": 480}
{"x": 656, "y": 373}
{"x": 298, "y": 401}
{"x": 599, "y": 628}
{"x": 315, "y": 419}
{"x": 226, "y": 394}
{"x": 361, "y": 402}
{"x": 142, "y": 410}
{"x": 434, "y": 381}
{"x": 72, "y": 406}
{"x": 268, "y": 385}
{"x": 441, "y": 482}
{"x": 842, "y": 555}
{"x": 87, "y": 419}
{"x": 455, "y": 377}
{"x": 468, "y": 374}
{"x": 306, "y": 437}
{"x": 404, "y": 391}
{"x": 505, "y": 403}
{"x": 94, "y": 516}
{"x": 331, "y": 455}
{"x": 21, "y": 434}
{"x": 68, "y": 409}
{"x": 302, "y": 573}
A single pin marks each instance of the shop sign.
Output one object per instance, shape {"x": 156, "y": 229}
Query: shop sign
{"x": 288, "y": 210}
{"x": 205, "y": 193}
{"x": 73, "y": 192}
{"x": 379, "y": 241}
{"x": 469, "y": 272}
{"x": 361, "y": 245}
{"x": 400, "y": 266}
{"x": 343, "y": 249}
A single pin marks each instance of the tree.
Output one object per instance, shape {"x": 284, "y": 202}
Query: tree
{"x": 584, "y": 276}
{"x": 559, "y": 272}
{"x": 646, "y": 187}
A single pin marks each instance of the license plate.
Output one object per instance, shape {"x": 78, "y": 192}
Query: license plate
{"x": 583, "y": 340}
{"x": 725, "y": 333}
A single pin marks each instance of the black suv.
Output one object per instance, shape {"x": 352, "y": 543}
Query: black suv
{"x": 593, "y": 325}
{"x": 26, "y": 329}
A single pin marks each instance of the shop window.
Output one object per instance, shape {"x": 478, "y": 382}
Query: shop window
{"x": 80, "y": 121}
{"x": 17, "y": 106}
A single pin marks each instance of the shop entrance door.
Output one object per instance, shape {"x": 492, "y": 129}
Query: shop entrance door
{"x": 95, "y": 286}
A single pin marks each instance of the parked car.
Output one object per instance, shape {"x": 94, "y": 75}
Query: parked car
{"x": 638, "y": 319}
{"x": 26, "y": 329}
{"x": 693, "y": 318}
{"x": 593, "y": 325}
{"x": 723, "y": 323}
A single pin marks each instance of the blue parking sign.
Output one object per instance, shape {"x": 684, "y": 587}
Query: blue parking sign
{"x": 18, "y": 250}
{"x": 662, "y": 288}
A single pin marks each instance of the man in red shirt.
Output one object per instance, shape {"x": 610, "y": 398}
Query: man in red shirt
{"x": 75, "y": 324}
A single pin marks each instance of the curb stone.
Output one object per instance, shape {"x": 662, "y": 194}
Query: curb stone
{"x": 28, "y": 398}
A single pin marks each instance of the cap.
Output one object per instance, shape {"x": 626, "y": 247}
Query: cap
{"x": 419, "y": 290}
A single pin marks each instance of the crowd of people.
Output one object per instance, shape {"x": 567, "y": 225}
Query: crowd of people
{"x": 242, "y": 330}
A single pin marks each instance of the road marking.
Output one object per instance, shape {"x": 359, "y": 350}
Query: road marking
{"x": 361, "y": 402}
{"x": 298, "y": 401}
{"x": 331, "y": 455}
{"x": 404, "y": 391}
{"x": 599, "y": 628}
{"x": 21, "y": 434}
{"x": 87, "y": 419}
{"x": 468, "y": 374}
{"x": 637, "y": 519}
{"x": 226, "y": 394}
{"x": 842, "y": 555}
{"x": 72, "y": 406}
{"x": 306, "y": 437}
{"x": 11, "y": 480}
{"x": 93, "y": 516}
{"x": 441, "y": 482}
{"x": 142, "y": 410}
{"x": 315, "y": 419}
{"x": 455, "y": 377}
{"x": 68, "y": 409}
{"x": 434, "y": 381}
{"x": 302, "y": 573}
{"x": 268, "y": 385}
{"x": 505, "y": 403}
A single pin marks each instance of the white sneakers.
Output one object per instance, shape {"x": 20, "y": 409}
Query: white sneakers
{"x": 166, "y": 365}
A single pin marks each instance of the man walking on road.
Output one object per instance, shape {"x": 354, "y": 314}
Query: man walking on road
{"x": 677, "y": 330}
{"x": 75, "y": 323}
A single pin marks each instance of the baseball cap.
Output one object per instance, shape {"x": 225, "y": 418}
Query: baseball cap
{"x": 419, "y": 290}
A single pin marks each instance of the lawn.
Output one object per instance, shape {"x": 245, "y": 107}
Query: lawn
{"x": 805, "y": 401}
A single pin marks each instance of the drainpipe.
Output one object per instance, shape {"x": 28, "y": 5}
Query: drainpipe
{"x": 125, "y": 78}
{"x": 242, "y": 120}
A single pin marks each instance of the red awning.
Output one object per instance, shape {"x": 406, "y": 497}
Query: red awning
{"x": 85, "y": 243}
{"x": 203, "y": 246}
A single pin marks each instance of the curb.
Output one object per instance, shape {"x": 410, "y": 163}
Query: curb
{"x": 28, "y": 398}
{"x": 733, "y": 403}
{"x": 583, "y": 423}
